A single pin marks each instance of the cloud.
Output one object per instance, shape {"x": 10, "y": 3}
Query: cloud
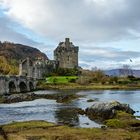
{"x": 102, "y": 53}
{"x": 108, "y": 58}
{"x": 8, "y": 34}
{"x": 83, "y": 20}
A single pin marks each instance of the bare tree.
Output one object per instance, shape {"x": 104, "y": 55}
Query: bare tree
{"x": 126, "y": 71}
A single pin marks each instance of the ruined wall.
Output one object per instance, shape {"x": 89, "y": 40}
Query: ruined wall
{"x": 2, "y": 85}
{"x": 26, "y": 68}
{"x": 66, "y": 54}
{"x": 44, "y": 67}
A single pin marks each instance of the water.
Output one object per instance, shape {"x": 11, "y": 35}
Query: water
{"x": 49, "y": 110}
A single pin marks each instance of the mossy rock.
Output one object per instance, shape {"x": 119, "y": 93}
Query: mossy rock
{"x": 123, "y": 115}
{"x": 115, "y": 123}
{"x": 123, "y": 120}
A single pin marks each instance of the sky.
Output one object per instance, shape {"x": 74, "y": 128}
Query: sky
{"x": 106, "y": 31}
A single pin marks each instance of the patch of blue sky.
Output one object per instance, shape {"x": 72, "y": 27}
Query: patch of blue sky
{"x": 25, "y": 31}
{"x": 30, "y": 34}
{"x": 1, "y": 12}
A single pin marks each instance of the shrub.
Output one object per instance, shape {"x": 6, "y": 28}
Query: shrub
{"x": 72, "y": 80}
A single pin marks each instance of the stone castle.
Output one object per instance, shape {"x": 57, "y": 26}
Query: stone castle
{"x": 65, "y": 56}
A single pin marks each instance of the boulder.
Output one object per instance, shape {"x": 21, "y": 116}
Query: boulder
{"x": 107, "y": 110}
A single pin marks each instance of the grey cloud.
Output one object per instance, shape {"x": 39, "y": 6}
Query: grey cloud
{"x": 83, "y": 20}
{"x": 106, "y": 54}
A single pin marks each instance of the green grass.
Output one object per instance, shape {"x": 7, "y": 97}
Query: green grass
{"x": 61, "y": 79}
{"x": 19, "y": 126}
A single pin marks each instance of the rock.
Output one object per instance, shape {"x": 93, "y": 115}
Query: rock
{"x": 86, "y": 123}
{"x": 92, "y": 100}
{"x": 60, "y": 98}
{"x": 106, "y": 110}
{"x": 19, "y": 97}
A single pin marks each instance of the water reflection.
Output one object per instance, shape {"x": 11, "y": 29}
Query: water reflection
{"x": 68, "y": 116}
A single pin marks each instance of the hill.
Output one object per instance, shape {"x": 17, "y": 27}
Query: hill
{"x": 11, "y": 54}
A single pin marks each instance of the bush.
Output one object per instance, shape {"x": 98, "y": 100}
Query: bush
{"x": 87, "y": 77}
{"x": 63, "y": 72}
{"x": 113, "y": 80}
{"x": 72, "y": 80}
{"x": 124, "y": 82}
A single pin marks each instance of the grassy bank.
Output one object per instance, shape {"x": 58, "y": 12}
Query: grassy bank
{"x": 66, "y": 86}
{"x": 41, "y": 130}
{"x": 70, "y": 82}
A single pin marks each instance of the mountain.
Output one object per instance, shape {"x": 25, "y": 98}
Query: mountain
{"x": 11, "y": 54}
{"x": 121, "y": 72}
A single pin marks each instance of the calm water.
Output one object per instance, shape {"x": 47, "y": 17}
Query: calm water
{"x": 49, "y": 110}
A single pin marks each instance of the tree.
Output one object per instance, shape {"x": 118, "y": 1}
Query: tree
{"x": 126, "y": 71}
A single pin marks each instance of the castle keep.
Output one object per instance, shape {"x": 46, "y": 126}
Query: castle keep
{"x": 66, "y": 54}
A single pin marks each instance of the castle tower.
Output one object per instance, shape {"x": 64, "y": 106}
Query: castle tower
{"x": 66, "y": 54}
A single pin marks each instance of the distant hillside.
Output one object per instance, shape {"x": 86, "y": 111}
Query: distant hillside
{"x": 119, "y": 72}
{"x": 11, "y": 54}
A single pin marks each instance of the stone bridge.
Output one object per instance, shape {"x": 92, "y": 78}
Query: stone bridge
{"x": 16, "y": 84}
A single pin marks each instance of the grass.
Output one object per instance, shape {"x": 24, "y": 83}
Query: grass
{"x": 41, "y": 130}
{"x": 20, "y": 126}
{"x": 61, "y": 79}
{"x": 96, "y": 86}
{"x": 69, "y": 82}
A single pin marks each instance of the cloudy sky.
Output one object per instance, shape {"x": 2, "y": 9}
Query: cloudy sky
{"x": 107, "y": 31}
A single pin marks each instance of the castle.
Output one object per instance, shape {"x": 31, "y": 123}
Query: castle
{"x": 65, "y": 56}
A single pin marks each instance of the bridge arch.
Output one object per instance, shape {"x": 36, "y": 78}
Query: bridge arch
{"x": 12, "y": 87}
{"x": 23, "y": 86}
{"x": 31, "y": 86}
